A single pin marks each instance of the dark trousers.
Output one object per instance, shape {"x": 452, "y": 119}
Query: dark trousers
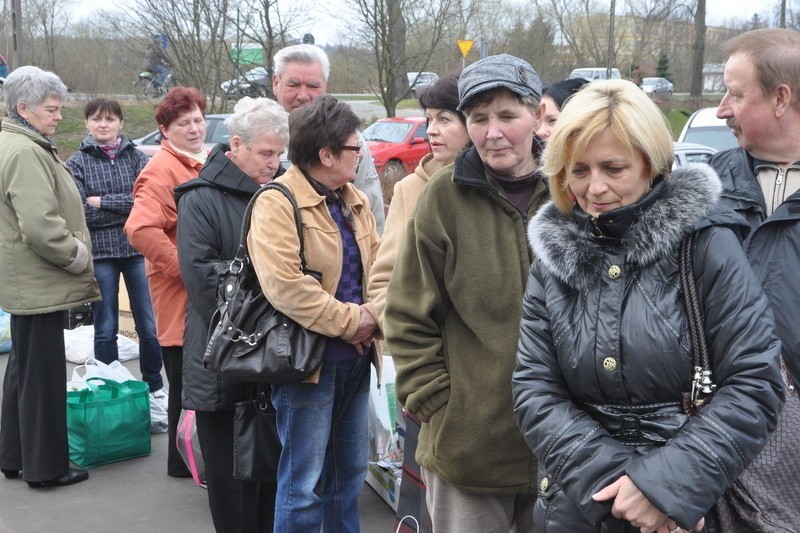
{"x": 236, "y": 506}
{"x": 33, "y": 419}
{"x": 173, "y": 366}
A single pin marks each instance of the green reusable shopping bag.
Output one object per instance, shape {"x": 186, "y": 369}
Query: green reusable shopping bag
{"x": 108, "y": 422}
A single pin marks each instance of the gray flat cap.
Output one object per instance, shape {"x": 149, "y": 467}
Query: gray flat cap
{"x": 504, "y": 70}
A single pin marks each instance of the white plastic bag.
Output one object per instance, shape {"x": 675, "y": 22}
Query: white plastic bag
{"x": 5, "y": 332}
{"x": 79, "y": 345}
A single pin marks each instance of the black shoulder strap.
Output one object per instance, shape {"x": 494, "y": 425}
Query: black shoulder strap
{"x": 702, "y": 387}
{"x": 243, "y": 254}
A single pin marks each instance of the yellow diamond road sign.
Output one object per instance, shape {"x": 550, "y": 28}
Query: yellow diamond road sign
{"x": 464, "y": 46}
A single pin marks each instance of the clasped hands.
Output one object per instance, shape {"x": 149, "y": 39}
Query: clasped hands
{"x": 362, "y": 340}
{"x": 631, "y": 505}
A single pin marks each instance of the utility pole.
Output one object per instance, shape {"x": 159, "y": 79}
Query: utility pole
{"x": 17, "y": 45}
{"x": 610, "y": 58}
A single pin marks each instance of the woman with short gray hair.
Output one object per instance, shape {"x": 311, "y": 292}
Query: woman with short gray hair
{"x": 210, "y": 212}
{"x": 45, "y": 268}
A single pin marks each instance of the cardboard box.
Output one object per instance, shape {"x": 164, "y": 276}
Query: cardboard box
{"x": 385, "y": 482}
{"x": 127, "y": 326}
{"x": 124, "y": 302}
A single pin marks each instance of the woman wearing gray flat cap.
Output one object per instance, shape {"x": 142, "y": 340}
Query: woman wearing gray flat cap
{"x": 455, "y": 300}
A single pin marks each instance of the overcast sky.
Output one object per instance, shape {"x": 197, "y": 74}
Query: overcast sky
{"x": 717, "y": 12}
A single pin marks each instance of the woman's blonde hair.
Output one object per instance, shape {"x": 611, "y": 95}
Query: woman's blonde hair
{"x": 616, "y": 104}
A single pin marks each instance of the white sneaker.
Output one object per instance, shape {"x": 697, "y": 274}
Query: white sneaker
{"x": 161, "y": 397}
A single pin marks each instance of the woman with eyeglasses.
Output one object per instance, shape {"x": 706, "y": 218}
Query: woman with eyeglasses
{"x": 322, "y": 422}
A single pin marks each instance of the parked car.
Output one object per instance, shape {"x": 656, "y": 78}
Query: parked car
{"x": 254, "y": 83}
{"x": 216, "y": 132}
{"x": 397, "y": 145}
{"x": 703, "y": 127}
{"x": 594, "y": 73}
{"x": 657, "y": 88}
{"x": 686, "y": 153}
{"x": 419, "y": 81}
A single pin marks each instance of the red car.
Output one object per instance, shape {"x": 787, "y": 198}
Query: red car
{"x": 397, "y": 145}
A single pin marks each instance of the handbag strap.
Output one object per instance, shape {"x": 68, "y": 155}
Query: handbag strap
{"x": 701, "y": 387}
{"x": 242, "y": 254}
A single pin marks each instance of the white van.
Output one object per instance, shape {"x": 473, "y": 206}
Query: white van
{"x": 593, "y": 73}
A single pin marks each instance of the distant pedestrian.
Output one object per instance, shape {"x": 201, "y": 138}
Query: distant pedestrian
{"x": 104, "y": 168}
{"x": 45, "y": 269}
{"x": 636, "y": 76}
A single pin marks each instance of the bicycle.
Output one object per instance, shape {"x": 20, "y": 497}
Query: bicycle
{"x": 147, "y": 86}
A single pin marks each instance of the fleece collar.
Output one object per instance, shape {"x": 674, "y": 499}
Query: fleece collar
{"x": 571, "y": 254}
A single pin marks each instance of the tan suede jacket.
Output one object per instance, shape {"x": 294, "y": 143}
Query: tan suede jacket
{"x": 275, "y": 250}
{"x": 406, "y": 193}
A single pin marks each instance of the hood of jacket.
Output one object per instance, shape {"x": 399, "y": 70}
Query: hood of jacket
{"x": 222, "y": 173}
{"x": 688, "y": 203}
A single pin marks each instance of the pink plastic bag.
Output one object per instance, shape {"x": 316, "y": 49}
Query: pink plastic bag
{"x": 189, "y": 447}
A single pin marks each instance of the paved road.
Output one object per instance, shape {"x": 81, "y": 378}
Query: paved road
{"x": 134, "y": 496}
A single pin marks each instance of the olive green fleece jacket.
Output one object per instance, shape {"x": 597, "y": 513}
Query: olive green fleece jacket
{"x": 45, "y": 249}
{"x": 452, "y": 323}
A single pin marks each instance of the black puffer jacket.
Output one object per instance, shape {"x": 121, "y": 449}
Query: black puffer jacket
{"x": 605, "y": 354}
{"x": 773, "y": 246}
{"x": 210, "y": 212}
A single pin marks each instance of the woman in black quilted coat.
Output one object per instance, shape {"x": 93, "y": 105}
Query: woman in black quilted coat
{"x": 605, "y": 354}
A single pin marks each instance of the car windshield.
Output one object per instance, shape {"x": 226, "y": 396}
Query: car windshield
{"x": 386, "y": 131}
{"x": 718, "y": 137}
{"x": 649, "y": 81}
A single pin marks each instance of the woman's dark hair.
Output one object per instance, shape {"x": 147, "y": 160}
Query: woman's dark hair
{"x": 324, "y": 123}
{"x": 104, "y": 106}
{"x": 443, "y": 94}
{"x": 179, "y": 100}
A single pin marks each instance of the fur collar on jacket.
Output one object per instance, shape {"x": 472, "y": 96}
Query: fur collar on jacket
{"x": 570, "y": 253}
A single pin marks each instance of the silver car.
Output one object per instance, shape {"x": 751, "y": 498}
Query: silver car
{"x": 657, "y": 88}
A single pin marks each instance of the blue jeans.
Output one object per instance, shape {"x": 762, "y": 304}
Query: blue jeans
{"x": 106, "y": 315}
{"x": 325, "y": 435}
{"x": 161, "y": 76}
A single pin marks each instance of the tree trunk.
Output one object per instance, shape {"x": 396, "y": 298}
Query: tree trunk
{"x": 698, "y": 49}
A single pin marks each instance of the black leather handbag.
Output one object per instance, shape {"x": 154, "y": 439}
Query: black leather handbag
{"x": 250, "y": 339}
{"x": 256, "y": 445}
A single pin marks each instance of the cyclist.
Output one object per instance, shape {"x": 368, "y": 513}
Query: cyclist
{"x": 155, "y": 60}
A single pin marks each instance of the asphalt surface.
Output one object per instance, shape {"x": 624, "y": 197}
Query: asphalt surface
{"x": 132, "y": 496}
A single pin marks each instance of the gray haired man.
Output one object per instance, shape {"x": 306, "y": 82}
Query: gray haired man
{"x": 301, "y": 75}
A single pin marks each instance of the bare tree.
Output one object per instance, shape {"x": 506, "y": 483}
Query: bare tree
{"x": 47, "y": 20}
{"x": 386, "y": 26}
{"x": 268, "y": 24}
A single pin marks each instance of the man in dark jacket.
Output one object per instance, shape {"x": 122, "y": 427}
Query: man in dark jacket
{"x": 761, "y": 178}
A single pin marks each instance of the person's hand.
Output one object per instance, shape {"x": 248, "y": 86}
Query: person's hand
{"x": 631, "y": 505}
{"x": 366, "y": 328}
{"x": 93, "y": 201}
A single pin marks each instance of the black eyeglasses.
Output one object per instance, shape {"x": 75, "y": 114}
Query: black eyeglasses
{"x": 352, "y": 148}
